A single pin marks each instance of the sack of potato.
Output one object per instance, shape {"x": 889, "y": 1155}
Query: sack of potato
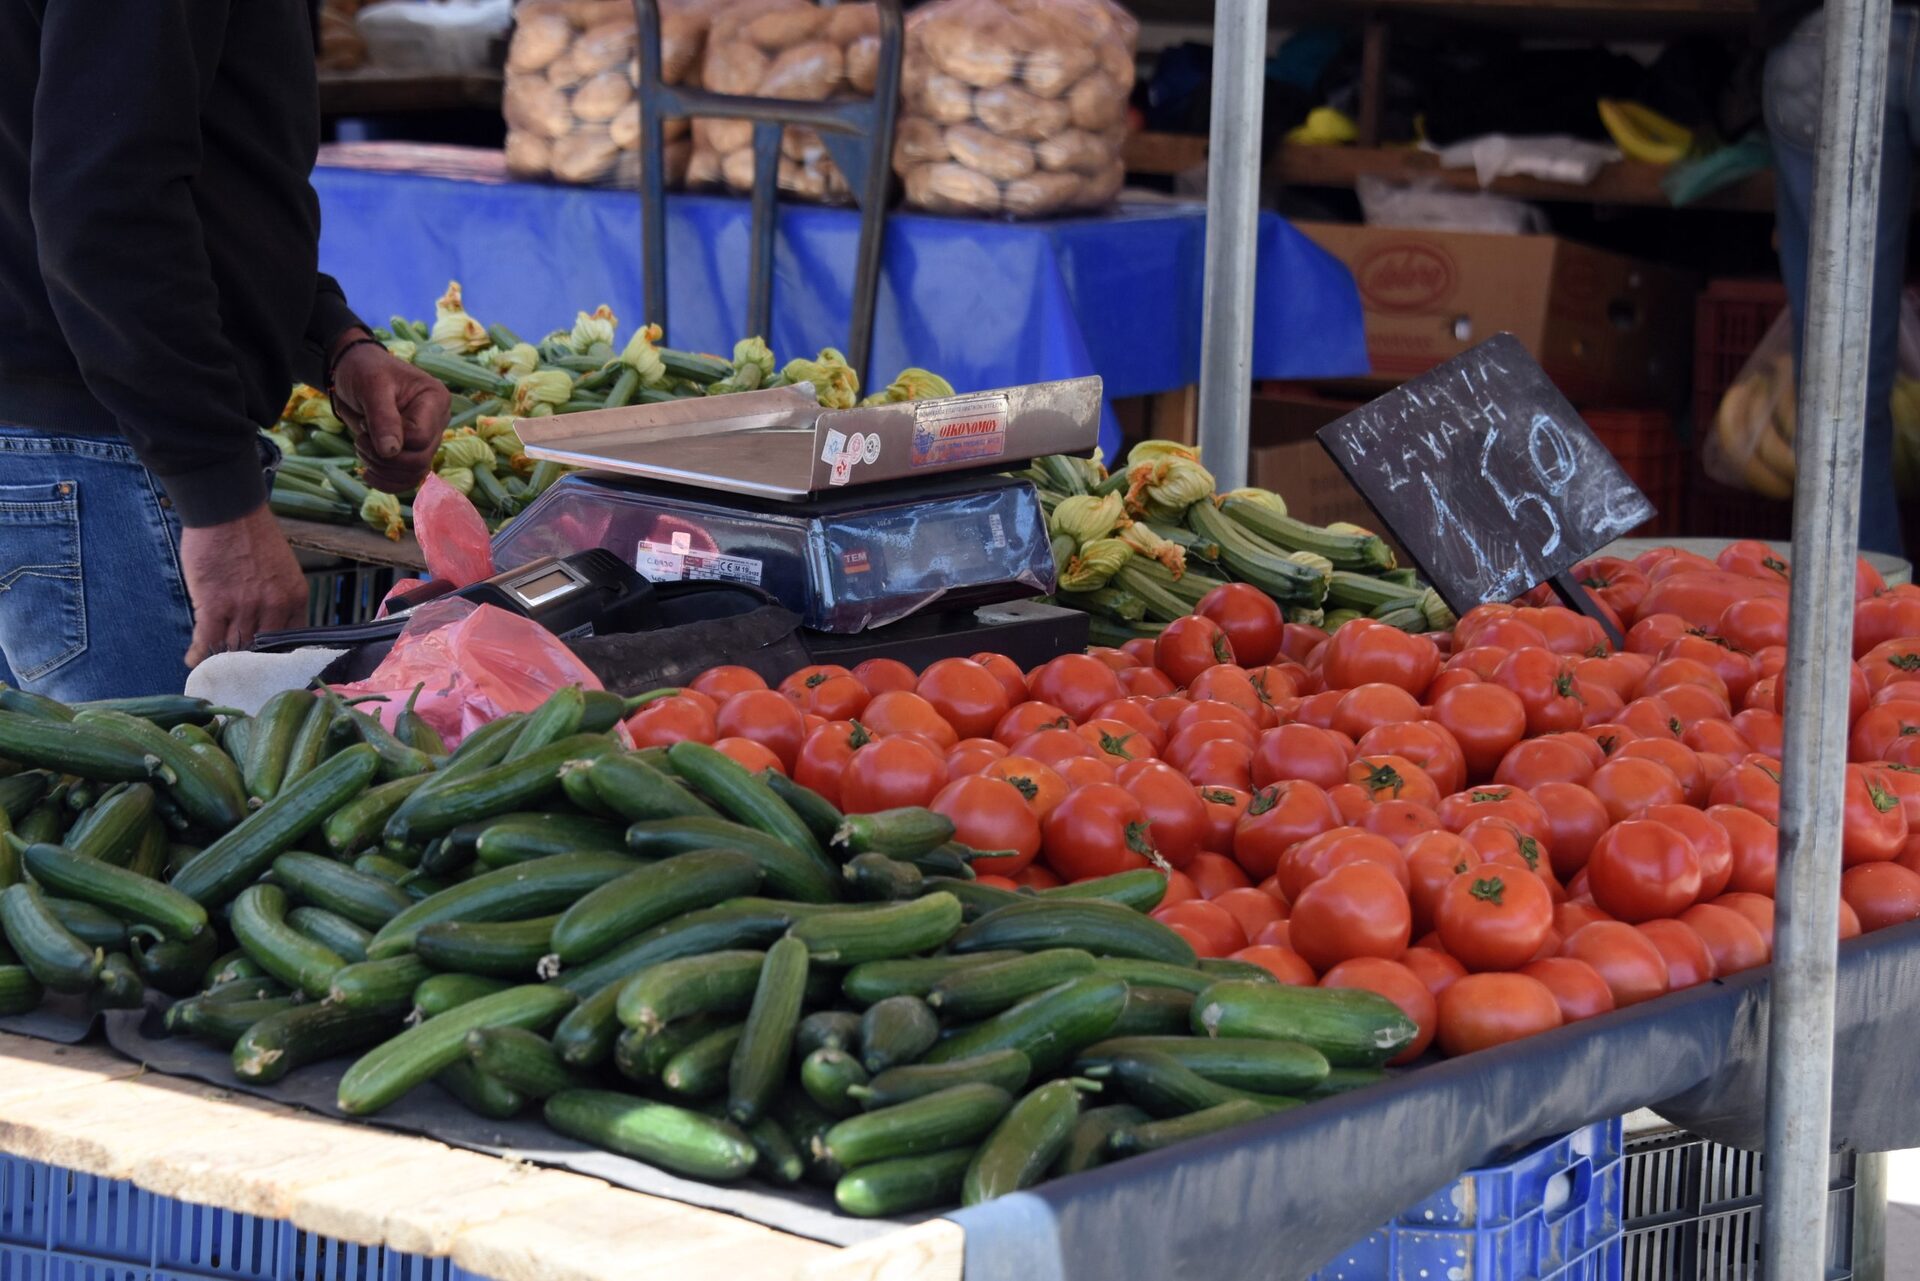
{"x": 788, "y": 49}
{"x": 569, "y": 100}
{"x": 1014, "y": 107}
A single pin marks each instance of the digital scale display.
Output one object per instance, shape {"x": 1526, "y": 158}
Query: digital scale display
{"x": 545, "y": 587}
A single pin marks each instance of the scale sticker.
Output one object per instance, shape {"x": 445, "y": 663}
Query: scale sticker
{"x": 842, "y": 470}
{"x": 870, "y": 452}
{"x": 676, "y": 562}
{"x": 948, "y": 432}
{"x": 836, "y": 444}
{"x": 855, "y": 562}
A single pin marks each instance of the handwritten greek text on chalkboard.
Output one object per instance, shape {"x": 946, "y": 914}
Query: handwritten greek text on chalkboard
{"x": 1486, "y": 474}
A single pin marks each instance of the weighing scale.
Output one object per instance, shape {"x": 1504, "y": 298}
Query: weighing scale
{"x": 885, "y": 528}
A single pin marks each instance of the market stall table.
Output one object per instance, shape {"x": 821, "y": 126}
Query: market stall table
{"x": 986, "y": 304}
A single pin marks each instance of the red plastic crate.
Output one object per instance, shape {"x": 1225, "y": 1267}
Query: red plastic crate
{"x": 1730, "y": 318}
{"x": 1647, "y": 444}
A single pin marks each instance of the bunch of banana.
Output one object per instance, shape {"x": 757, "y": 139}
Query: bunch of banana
{"x": 1755, "y": 426}
{"x": 1644, "y": 134}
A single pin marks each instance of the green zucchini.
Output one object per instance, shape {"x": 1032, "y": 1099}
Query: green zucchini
{"x": 310, "y": 742}
{"x": 888, "y": 931}
{"x": 364, "y": 899}
{"x": 896, "y": 1031}
{"x": 515, "y": 892}
{"x": 152, "y": 853}
{"x": 766, "y": 1041}
{"x": 303, "y": 1034}
{"x": 647, "y": 896}
{"x": 331, "y": 931}
{"x": 1086, "y": 1148}
{"x": 1023, "y": 1147}
{"x": 521, "y": 838}
{"x": 27, "y": 703}
{"x": 483, "y": 748}
{"x": 977, "y": 900}
{"x": 602, "y": 711}
{"x": 874, "y": 981}
{"x": 1140, "y": 888}
{"x": 1151, "y": 1136}
{"x": 1352, "y": 1028}
{"x": 1190, "y": 979}
{"x": 1008, "y": 1069}
{"x": 358, "y": 824}
{"x": 126, "y": 894}
{"x": 438, "y": 993}
{"x": 479, "y": 1093}
{"x": 636, "y": 791}
{"x": 1165, "y": 1087}
{"x": 223, "y": 1023}
{"x": 270, "y": 741}
{"x": 390, "y": 1070}
{"x": 219, "y": 871}
{"x": 94, "y": 926}
{"x": 699, "y": 1070}
{"x": 229, "y": 966}
{"x": 521, "y": 1060}
{"x": 71, "y": 749}
{"x": 902, "y": 1185}
{"x": 820, "y": 815}
{"x": 172, "y": 966}
{"x": 984, "y": 990}
{"x": 1225, "y": 967}
{"x": 50, "y": 952}
{"x": 260, "y": 926}
{"x": 1050, "y": 1028}
{"x": 398, "y": 760}
{"x": 555, "y": 719}
{"x": 449, "y": 799}
{"x": 790, "y": 873}
{"x": 743, "y": 796}
{"x": 960, "y": 1114}
{"x": 901, "y": 833}
{"x": 642, "y": 1056}
{"x": 379, "y": 985}
{"x": 718, "y": 983}
{"x": 110, "y": 829}
{"x": 882, "y": 877}
{"x": 674, "y": 1138}
{"x": 830, "y": 1077}
{"x": 497, "y": 949}
{"x": 827, "y": 1029}
{"x": 199, "y": 788}
{"x": 384, "y": 868}
{"x": 19, "y": 793}
{"x": 165, "y": 710}
{"x": 1242, "y": 1063}
{"x": 1104, "y": 929}
{"x": 1155, "y": 1011}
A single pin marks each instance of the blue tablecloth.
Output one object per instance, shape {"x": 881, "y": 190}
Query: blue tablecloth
{"x": 987, "y": 304}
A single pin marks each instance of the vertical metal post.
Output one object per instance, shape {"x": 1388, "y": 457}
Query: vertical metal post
{"x": 1826, "y": 514}
{"x": 1870, "y": 1216}
{"x": 1233, "y": 237}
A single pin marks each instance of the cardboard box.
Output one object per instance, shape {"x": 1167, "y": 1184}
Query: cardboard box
{"x": 1285, "y": 457}
{"x": 1609, "y": 330}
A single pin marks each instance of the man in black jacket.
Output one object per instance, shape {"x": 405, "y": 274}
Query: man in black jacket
{"x": 159, "y": 294}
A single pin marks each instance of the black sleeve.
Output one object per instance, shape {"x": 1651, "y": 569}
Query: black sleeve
{"x": 330, "y": 318}
{"x": 116, "y": 143}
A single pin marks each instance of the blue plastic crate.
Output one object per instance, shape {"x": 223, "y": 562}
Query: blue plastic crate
{"x": 1551, "y": 1213}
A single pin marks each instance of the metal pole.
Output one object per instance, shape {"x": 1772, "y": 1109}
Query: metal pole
{"x": 1820, "y": 643}
{"x": 1870, "y": 1216}
{"x": 1233, "y": 237}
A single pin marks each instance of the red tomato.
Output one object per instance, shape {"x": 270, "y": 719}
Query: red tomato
{"x": 1307, "y": 861}
{"x": 722, "y": 683}
{"x": 1392, "y": 778}
{"x": 1300, "y": 640}
{"x": 1544, "y": 682}
{"x": 1039, "y": 783}
{"x": 1700, "y": 598}
{"x": 1211, "y": 929}
{"x": 1756, "y": 908}
{"x": 1496, "y": 800}
{"x": 1731, "y": 938}
{"x": 1277, "y": 818}
{"x": 672, "y": 720}
{"x": 1680, "y": 761}
{"x": 1117, "y": 742}
{"x": 1077, "y": 683}
{"x": 1187, "y": 743}
{"x": 1484, "y": 1010}
{"x": 1282, "y": 962}
{"x": 991, "y": 814}
{"x": 1433, "y": 967}
{"x": 838, "y": 698}
{"x": 1315, "y": 709}
{"x": 1365, "y": 652}
{"x": 1319, "y": 756}
{"x": 1883, "y": 725}
{"x": 1716, "y": 738}
{"x": 1233, "y": 687}
{"x": 1180, "y": 888}
{"x": 795, "y": 686}
{"x": 900, "y": 711}
{"x": 1486, "y": 719}
{"x": 821, "y": 763}
{"x": 1399, "y": 821}
{"x": 1213, "y": 712}
{"x": 1712, "y": 845}
{"x": 1642, "y": 869}
{"x": 882, "y": 674}
{"x": 1433, "y": 860}
{"x": 1098, "y": 830}
{"x": 1752, "y": 786}
{"x": 749, "y": 755}
{"x": 1628, "y": 786}
{"x": 1029, "y": 718}
{"x": 1892, "y": 662}
{"x": 1398, "y": 984}
{"x": 1632, "y": 966}
{"x": 1254, "y": 909}
{"x": 1576, "y": 986}
{"x": 1494, "y": 920}
{"x": 997, "y": 882}
{"x": 1619, "y": 583}
{"x": 1689, "y": 960}
{"x": 1428, "y": 744}
{"x": 1365, "y": 707}
{"x": 1876, "y": 621}
{"x": 1007, "y": 672}
{"x": 1150, "y": 681}
{"x": 1223, "y": 808}
{"x": 1849, "y": 920}
{"x": 1189, "y": 646}
{"x": 1500, "y": 840}
{"x": 1609, "y": 737}
{"x": 1355, "y": 910}
{"x": 1222, "y": 763}
{"x": 889, "y": 773}
{"x": 971, "y": 755}
{"x": 1544, "y": 760}
{"x": 966, "y": 695}
{"x": 768, "y": 718}
{"x": 1881, "y": 894}
{"x": 1575, "y": 819}
{"x": 1752, "y": 558}
{"x": 1034, "y": 876}
{"x": 1118, "y": 659}
{"x": 1274, "y": 934}
{"x": 1734, "y": 667}
{"x": 1082, "y": 770}
{"x": 1654, "y": 632}
{"x": 1351, "y": 800}
{"x": 1875, "y": 826}
{"x": 1250, "y": 618}
{"x": 1572, "y": 914}
{"x": 1214, "y": 875}
{"x": 1175, "y": 813}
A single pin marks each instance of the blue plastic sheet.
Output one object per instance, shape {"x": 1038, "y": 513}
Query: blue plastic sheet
{"x": 987, "y": 304}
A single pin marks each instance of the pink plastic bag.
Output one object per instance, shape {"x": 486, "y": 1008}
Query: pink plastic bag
{"x": 401, "y": 586}
{"x": 452, "y": 535}
{"x": 476, "y": 662}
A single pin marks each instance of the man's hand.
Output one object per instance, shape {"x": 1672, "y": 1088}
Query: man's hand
{"x": 396, "y": 413}
{"x": 242, "y": 578}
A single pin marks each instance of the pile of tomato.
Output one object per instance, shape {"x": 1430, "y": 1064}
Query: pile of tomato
{"x": 1500, "y": 829}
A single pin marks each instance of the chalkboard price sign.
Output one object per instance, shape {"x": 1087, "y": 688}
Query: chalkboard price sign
{"x": 1486, "y": 475}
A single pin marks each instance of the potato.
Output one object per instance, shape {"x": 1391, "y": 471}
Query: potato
{"x": 981, "y": 56}
{"x": 1102, "y": 187}
{"x": 1039, "y": 194}
{"x": 682, "y": 38}
{"x": 849, "y": 22}
{"x": 528, "y": 154}
{"x": 951, "y": 188}
{"x": 941, "y": 97}
{"x": 565, "y": 72}
{"x": 1001, "y": 159}
{"x": 802, "y": 145}
{"x": 601, "y": 98}
{"x": 863, "y": 63}
{"x": 538, "y": 38}
{"x": 736, "y": 167}
{"x": 1012, "y": 112}
{"x": 917, "y": 141}
{"x": 724, "y": 135}
{"x": 1073, "y": 150}
{"x": 734, "y": 67}
{"x": 530, "y": 103}
{"x": 625, "y": 127}
{"x": 586, "y": 155}
{"x": 810, "y": 72}
{"x": 1054, "y": 65}
{"x": 703, "y": 168}
{"x": 1098, "y": 102}
{"x": 782, "y": 29}
{"x": 605, "y": 48}
{"x": 1117, "y": 62}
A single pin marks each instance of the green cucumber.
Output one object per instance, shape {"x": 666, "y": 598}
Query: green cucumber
{"x": 304, "y": 1034}
{"x": 766, "y": 1041}
{"x": 110, "y": 829}
{"x": 718, "y": 983}
{"x": 45, "y": 821}
{"x": 172, "y": 966}
{"x": 521, "y": 838}
{"x": 960, "y": 1114}
{"x": 827, "y": 1029}
{"x": 118, "y": 986}
{"x": 331, "y": 931}
{"x": 200, "y": 789}
{"x": 521, "y": 1060}
{"x": 821, "y": 816}
{"x": 882, "y": 877}
{"x": 896, "y": 1031}
{"x": 516, "y": 892}
{"x": 497, "y": 949}
{"x": 806, "y": 1121}
{"x": 830, "y": 1077}
{"x": 1166, "y": 1087}
{"x": 390, "y": 1070}
{"x": 1151, "y": 1136}
{"x": 636, "y": 791}
{"x": 1342, "y": 1080}
{"x": 20, "y": 992}
{"x": 674, "y": 1138}
{"x": 479, "y": 1093}
{"x": 642, "y": 1056}
{"x": 151, "y": 853}
{"x": 889, "y": 931}
{"x": 442, "y": 860}
{"x": 555, "y": 719}
{"x": 260, "y": 926}
{"x": 744, "y": 797}
{"x": 223, "y": 1023}
{"x": 72, "y": 749}
{"x": 903, "y": 832}
{"x": 483, "y": 748}
{"x": 19, "y": 793}
{"x": 448, "y": 800}
{"x": 27, "y": 703}
{"x": 126, "y": 894}
{"x": 1023, "y": 1147}
{"x": 699, "y": 1070}
{"x": 235, "y": 737}
{"x": 56, "y": 959}
{"x": 579, "y": 792}
{"x": 1049, "y": 1027}
{"x": 1225, "y": 967}
{"x": 603, "y": 710}
{"x": 398, "y": 760}
{"x": 1351, "y": 1027}
{"x": 385, "y": 869}
{"x": 1087, "y": 1146}
{"x": 643, "y": 898}
{"x": 977, "y": 899}
{"x": 410, "y": 728}
{"x": 1155, "y": 1011}
{"x": 94, "y": 926}
{"x": 985, "y": 990}
{"x": 790, "y": 873}
{"x": 358, "y": 824}
{"x": 1008, "y": 1069}
{"x": 219, "y": 871}
{"x": 366, "y": 900}
{"x": 309, "y": 745}
{"x": 270, "y": 741}
{"x": 780, "y": 1162}
{"x": 1242, "y": 1063}
{"x": 1139, "y": 973}
{"x": 1104, "y": 929}
{"x": 874, "y": 981}
{"x": 1140, "y": 888}
{"x": 902, "y": 1185}
{"x": 229, "y": 966}
{"x": 435, "y": 995}
{"x": 379, "y": 985}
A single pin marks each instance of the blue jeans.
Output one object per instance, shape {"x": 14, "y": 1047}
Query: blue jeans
{"x": 1792, "y": 101}
{"x": 92, "y": 600}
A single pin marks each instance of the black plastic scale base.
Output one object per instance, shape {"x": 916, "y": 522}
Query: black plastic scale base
{"x": 1029, "y": 632}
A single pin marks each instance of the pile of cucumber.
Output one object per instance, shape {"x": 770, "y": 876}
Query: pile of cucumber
{"x": 658, "y": 952}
